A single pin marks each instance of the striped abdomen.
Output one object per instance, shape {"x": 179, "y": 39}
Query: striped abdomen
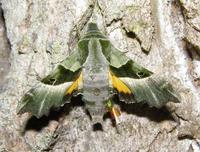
{"x": 95, "y": 89}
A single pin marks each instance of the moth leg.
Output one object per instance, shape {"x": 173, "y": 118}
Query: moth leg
{"x": 176, "y": 118}
{"x": 115, "y": 113}
{"x": 173, "y": 114}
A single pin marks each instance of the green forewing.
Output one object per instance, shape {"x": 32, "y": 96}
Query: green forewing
{"x": 70, "y": 67}
{"x": 51, "y": 91}
{"x": 120, "y": 64}
{"x": 42, "y": 97}
{"x": 154, "y": 91}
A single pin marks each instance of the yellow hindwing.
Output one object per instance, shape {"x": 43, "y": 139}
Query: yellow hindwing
{"x": 118, "y": 84}
{"x": 74, "y": 86}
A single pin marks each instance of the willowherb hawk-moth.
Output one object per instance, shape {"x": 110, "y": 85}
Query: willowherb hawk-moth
{"x": 97, "y": 71}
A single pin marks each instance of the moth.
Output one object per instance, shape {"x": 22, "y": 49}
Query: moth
{"x": 97, "y": 71}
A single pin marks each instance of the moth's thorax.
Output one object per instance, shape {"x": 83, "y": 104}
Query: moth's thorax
{"x": 95, "y": 80}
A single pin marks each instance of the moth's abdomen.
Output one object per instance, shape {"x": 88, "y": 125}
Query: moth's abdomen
{"x": 95, "y": 89}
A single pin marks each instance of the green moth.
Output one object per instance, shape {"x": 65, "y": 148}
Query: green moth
{"x": 97, "y": 71}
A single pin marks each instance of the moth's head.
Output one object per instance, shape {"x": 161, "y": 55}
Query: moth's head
{"x": 93, "y": 31}
{"x": 92, "y": 27}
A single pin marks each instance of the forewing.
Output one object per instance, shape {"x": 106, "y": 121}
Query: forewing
{"x": 70, "y": 67}
{"x": 56, "y": 89}
{"x": 154, "y": 91}
{"x": 120, "y": 64}
{"x": 40, "y": 99}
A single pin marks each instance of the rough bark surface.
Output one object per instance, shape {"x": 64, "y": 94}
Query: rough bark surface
{"x": 162, "y": 35}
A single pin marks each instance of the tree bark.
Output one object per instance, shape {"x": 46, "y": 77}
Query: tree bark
{"x": 161, "y": 35}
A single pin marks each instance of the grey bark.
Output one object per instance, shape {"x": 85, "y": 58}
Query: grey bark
{"x": 162, "y": 35}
